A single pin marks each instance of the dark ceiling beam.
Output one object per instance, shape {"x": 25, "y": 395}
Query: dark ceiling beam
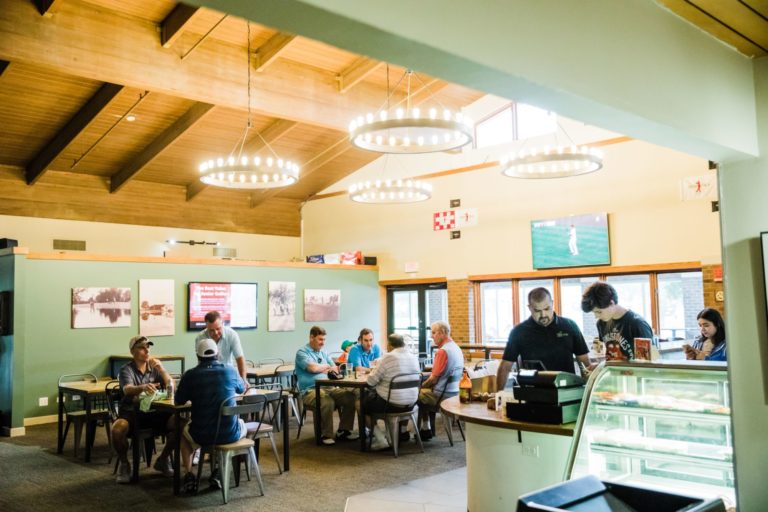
{"x": 325, "y": 156}
{"x": 3, "y": 66}
{"x": 190, "y": 118}
{"x": 174, "y": 25}
{"x": 48, "y": 8}
{"x": 357, "y": 72}
{"x": 79, "y": 122}
{"x": 267, "y": 53}
{"x": 270, "y": 135}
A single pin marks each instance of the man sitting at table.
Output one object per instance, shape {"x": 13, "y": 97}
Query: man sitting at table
{"x": 396, "y": 361}
{"x": 447, "y": 358}
{"x": 207, "y": 385}
{"x": 143, "y": 374}
{"x": 312, "y": 363}
{"x": 365, "y": 352}
{"x": 227, "y": 340}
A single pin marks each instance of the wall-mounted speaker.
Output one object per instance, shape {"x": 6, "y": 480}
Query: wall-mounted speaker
{"x": 6, "y": 243}
{"x": 370, "y": 260}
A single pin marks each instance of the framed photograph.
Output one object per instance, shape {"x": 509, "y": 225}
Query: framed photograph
{"x": 282, "y": 306}
{"x": 321, "y": 305}
{"x": 101, "y": 307}
{"x": 156, "y": 307}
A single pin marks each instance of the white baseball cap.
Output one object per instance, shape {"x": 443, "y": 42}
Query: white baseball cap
{"x": 139, "y": 341}
{"x": 207, "y": 348}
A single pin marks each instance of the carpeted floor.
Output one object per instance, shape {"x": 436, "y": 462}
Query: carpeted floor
{"x": 34, "y": 477}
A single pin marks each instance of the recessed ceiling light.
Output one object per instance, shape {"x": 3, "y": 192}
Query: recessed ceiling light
{"x": 130, "y": 118}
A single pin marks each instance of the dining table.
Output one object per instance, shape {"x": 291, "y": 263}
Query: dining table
{"x": 87, "y": 391}
{"x": 357, "y": 382}
{"x": 116, "y": 361}
{"x": 259, "y": 373}
{"x": 179, "y": 409}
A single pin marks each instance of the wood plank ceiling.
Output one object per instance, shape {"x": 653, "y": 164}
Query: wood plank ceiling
{"x": 71, "y": 71}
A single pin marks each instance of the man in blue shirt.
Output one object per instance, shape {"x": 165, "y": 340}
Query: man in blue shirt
{"x": 207, "y": 385}
{"x": 312, "y": 363}
{"x": 365, "y": 352}
{"x": 227, "y": 340}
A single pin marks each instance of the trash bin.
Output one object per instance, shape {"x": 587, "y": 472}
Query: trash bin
{"x": 589, "y": 494}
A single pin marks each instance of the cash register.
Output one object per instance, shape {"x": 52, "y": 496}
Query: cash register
{"x": 546, "y": 397}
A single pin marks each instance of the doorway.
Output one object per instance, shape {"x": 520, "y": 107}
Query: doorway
{"x": 411, "y": 309}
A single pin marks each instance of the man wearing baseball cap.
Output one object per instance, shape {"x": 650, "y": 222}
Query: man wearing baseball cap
{"x": 206, "y": 386}
{"x": 143, "y": 374}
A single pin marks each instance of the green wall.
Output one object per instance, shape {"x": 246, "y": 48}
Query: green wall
{"x": 53, "y": 348}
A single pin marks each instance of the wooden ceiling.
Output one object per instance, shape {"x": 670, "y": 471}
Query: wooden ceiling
{"x": 71, "y": 71}
{"x": 742, "y": 24}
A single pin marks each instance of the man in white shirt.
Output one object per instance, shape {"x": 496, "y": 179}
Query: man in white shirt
{"x": 227, "y": 341}
{"x": 396, "y": 361}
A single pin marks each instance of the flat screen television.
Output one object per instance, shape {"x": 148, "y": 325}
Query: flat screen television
{"x": 573, "y": 241}
{"x": 237, "y": 303}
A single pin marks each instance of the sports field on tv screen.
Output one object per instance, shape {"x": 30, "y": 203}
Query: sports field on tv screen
{"x": 553, "y": 246}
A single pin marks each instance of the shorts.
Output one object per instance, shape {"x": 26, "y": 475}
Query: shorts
{"x": 196, "y": 445}
{"x": 377, "y": 405}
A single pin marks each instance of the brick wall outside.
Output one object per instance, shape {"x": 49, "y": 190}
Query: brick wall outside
{"x": 711, "y": 287}
{"x": 459, "y": 310}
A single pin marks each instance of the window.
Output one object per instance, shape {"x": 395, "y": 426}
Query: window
{"x": 516, "y": 121}
{"x": 496, "y": 301}
{"x": 525, "y": 288}
{"x": 634, "y": 293}
{"x": 496, "y": 129}
{"x": 571, "y": 290}
{"x": 681, "y": 297}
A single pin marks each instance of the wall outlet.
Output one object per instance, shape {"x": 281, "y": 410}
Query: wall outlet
{"x": 42, "y": 401}
{"x": 531, "y": 450}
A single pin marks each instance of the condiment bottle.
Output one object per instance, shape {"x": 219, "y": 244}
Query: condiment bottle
{"x": 465, "y": 388}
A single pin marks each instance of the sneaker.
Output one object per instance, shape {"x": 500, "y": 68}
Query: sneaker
{"x": 164, "y": 466}
{"x": 347, "y": 435}
{"x": 123, "y": 473}
{"x": 214, "y": 481}
{"x": 379, "y": 444}
{"x": 196, "y": 457}
{"x": 190, "y": 484}
{"x": 425, "y": 434}
{"x": 328, "y": 440}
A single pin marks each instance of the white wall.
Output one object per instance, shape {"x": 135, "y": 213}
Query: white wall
{"x": 639, "y": 187}
{"x": 122, "y": 239}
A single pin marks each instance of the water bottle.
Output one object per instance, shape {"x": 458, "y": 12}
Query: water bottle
{"x": 171, "y": 389}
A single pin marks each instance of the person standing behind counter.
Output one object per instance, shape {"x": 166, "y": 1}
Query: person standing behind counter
{"x": 710, "y": 346}
{"x": 365, "y": 352}
{"x": 227, "y": 341}
{"x": 544, "y": 336}
{"x": 615, "y": 324}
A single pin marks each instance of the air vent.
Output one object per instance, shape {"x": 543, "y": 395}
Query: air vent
{"x": 223, "y": 252}
{"x": 69, "y": 245}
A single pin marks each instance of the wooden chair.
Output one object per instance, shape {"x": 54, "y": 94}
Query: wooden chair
{"x": 225, "y": 453}
{"x": 392, "y": 418}
{"x": 75, "y": 410}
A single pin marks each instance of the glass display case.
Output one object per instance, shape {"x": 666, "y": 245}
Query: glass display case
{"x": 659, "y": 425}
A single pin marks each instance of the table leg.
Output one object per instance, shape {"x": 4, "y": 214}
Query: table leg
{"x": 177, "y": 454}
{"x": 316, "y": 416}
{"x": 89, "y": 428}
{"x": 361, "y": 419}
{"x": 60, "y": 440}
{"x": 286, "y": 436}
{"x": 135, "y": 444}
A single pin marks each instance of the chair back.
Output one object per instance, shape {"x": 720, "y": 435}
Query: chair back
{"x": 114, "y": 396}
{"x": 72, "y": 403}
{"x": 239, "y": 405}
{"x": 335, "y": 355}
{"x": 404, "y": 381}
{"x": 427, "y": 361}
{"x": 456, "y": 373}
{"x": 271, "y": 360}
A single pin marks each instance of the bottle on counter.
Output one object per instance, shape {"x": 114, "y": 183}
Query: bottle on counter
{"x": 171, "y": 389}
{"x": 465, "y": 388}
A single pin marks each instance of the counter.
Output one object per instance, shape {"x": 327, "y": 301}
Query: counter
{"x": 507, "y": 458}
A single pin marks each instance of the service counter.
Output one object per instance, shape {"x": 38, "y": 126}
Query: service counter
{"x": 507, "y": 458}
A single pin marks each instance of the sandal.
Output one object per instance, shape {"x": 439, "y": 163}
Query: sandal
{"x": 190, "y": 484}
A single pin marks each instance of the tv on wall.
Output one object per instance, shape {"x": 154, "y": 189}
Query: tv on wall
{"x": 573, "y": 241}
{"x": 235, "y": 301}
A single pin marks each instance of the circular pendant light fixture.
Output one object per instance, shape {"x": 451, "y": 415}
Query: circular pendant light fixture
{"x": 390, "y": 191}
{"x": 559, "y": 162}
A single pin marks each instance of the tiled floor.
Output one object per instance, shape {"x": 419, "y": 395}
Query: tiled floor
{"x": 446, "y": 492}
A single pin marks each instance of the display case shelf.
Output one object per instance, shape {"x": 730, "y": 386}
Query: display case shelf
{"x": 647, "y": 412}
{"x": 663, "y": 457}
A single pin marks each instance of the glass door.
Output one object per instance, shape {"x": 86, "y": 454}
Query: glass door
{"x": 411, "y": 309}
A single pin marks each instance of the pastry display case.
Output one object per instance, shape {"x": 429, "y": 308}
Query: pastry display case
{"x": 664, "y": 426}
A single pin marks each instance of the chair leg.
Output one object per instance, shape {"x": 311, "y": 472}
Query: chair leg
{"x": 225, "y": 458}
{"x": 295, "y": 408}
{"x": 394, "y": 440}
{"x": 274, "y": 450}
{"x": 448, "y": 430}
{"x": 416, "y": 432}
{"x": 149, "y": 448}
{"x": 461, "y": 430}
{"x": 257, "y": 471}
{"x": 301, "y": 422}
{"x": 432, "y": 417}
{"x": 78, "y": 433}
